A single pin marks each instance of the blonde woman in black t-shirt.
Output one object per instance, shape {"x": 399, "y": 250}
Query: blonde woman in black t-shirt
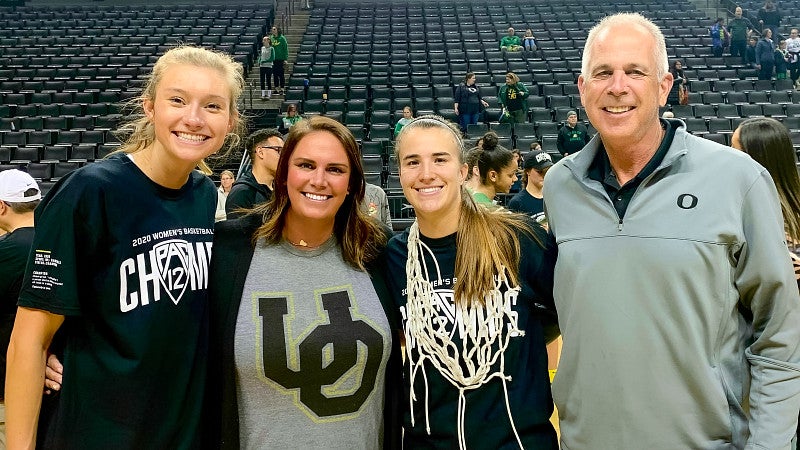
{"x": 472, "y": 286}
{"x": 120, "y": 269}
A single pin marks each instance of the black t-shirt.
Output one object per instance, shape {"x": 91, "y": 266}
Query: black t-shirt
{"x": 14, "y": 250}
{"x": 468, "y": 99}
{"x": 572, "y": 139}
{"x": 525, "y": 203}
{"x": 126, "y": 261}
{"x": 514, "y": 99}
{"x": 486, "y": 421}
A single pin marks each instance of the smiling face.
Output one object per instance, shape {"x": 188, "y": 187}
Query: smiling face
{"x": 190, "y": 113}
{"x": 620, "y": 90}
{"x": 431, "y": 173}
{"x": 318, "y": 178}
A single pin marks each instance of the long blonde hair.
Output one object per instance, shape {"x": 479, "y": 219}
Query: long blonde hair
{"x": 361, "y": 237}
{"x": 139, "y": 133}
{"x": 488, "y": 240}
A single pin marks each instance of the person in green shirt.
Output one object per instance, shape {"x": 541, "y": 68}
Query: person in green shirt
{"x": 289, "y": 119}
{"x": 408, "y": 116}
{"x": 281, "y": 51}
{"x": 513, "y": 97}
{"x": 510, "y": 42}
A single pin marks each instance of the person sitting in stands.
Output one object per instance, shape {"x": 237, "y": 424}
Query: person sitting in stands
{"x": 510, "y": 42}
{"x": 289, "y": 119}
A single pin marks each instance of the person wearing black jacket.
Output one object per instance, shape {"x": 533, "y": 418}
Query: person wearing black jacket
{"x": 255, "y": 186}
{"x": 287, "y": 281}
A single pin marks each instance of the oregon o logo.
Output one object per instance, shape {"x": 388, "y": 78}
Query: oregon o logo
{"x": 687, "y": 201}
{"x": 342, "y": 334}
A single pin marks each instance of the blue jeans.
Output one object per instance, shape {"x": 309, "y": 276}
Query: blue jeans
{"x": 467, "y": 119}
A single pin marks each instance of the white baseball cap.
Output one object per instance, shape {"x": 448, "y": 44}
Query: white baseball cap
{"x": 13, "y": 185}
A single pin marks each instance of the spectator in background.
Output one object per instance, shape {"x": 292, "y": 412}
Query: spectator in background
{"x": 468, "y": 102}
{"x": 678, "y": 81}
{"x": 281, "y": 48}
{"x": 529, "y": 200}
{"x": 765, "y": 55}
{"x": 572, "y": 136}
{"x": 781, "y": 60}
{"x": 255, "y": 186}
{"x": 535, "y": 145}
{"x": 266, "y": 57}
{"x": 770, "y": 17}
{"x": 497, "y": 171}
{"x": 718, "y": 37}
{"x": 19, "y": 196}
{"x": 768, "y": 142}
{"x": 750, "y": 52}
{"x": 473, "y": 177}
{"x": 408, "y": 115}
{"x": 739, "y": 27}
{"x": 793, "y": 50}
{"x": 376, "y": 204}
{"x": 120, "y": 271}
{"x": 225, "y": 183}
{"x": 290, "y": 118}
{"x": 517, "y": 185}
{"x": 513, "y": 97}
{"x": 529, "y": 41}
{"x": 510, "y": 42}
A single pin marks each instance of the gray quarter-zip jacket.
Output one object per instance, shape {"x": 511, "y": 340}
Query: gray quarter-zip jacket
{"x": 681, "y": 322}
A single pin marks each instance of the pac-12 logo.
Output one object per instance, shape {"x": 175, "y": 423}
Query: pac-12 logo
{"x": 344, "y": 339}
{"x": 171, "y": 266}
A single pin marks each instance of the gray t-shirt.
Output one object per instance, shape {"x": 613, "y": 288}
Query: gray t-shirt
{"x": 312, "y": 342}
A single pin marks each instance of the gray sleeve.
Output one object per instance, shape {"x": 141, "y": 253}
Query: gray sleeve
{"x": 766, "y": 285}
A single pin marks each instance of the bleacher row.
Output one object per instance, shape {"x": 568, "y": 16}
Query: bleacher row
{"x": 361, "y": 62}
{"x": 65, "y": 71}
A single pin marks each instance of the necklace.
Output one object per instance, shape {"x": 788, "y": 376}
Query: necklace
{"x": 304, "y": 245}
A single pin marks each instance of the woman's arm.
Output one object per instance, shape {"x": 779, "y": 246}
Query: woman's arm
{"x": 27, "y": 353}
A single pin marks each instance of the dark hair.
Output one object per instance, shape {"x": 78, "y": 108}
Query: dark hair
{"x": 767, "y": 141}
{"x": 360, "y": 237}
{"x": 468, "y": 76}
{"x": 25, "y": 207}
{"x": 492, "y": 156}
{"x": 258, "y": 137}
